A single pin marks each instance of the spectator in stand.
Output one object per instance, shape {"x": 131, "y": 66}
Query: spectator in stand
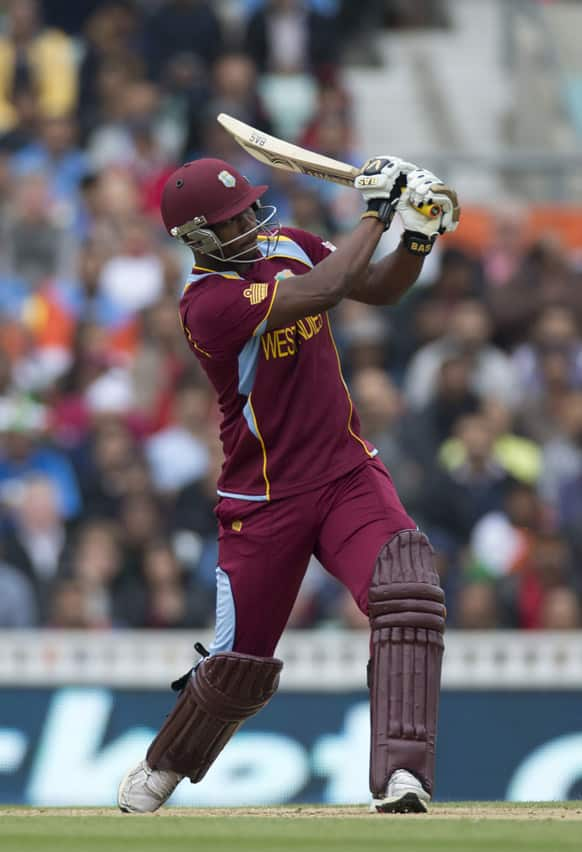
{"x": 539, "y": 415}
{"x": 453, "y": 398}
{"x": 330, "y": 132}
{"x": 194, "y": 526}
{"x": 492, "y": 373}
{"x": 6, "y": 381}
{"x": 136, "y": 260}
{"x": 35, "y": 544}
{"x": 364, "y": 335}
{"x": 424, "y": 315}
{"x": 120, "y": 140}
{"x": 69, "y": 17}
{"x": 179, "y": 27}
{"x": 555, "y": 332}
{"x": 545, "y": 278}
{"x": 35, "y": 60}
{"x": 105, "y": 460}
{"x": 171, "y": 599}
{"x": 502, "y": 541}
{"x": 24, "y": 128}
{"x": 562, "y": 455}
{"x": 455, "y": 499}
{"x": 186, "y": 93}
{"x": 95, "y": 567}
{"x": 459, "y": 277}
{"x": 287, "y": 36}
{"x": 234, "y": 84}
{"x": 56, "y": 318}
{"x": 477, "y": 607}
{"x": 107, "y": 110}
{"x": 505, "y": 254}
{"x": 518, "y": 456}
{"x": 17, "y": 602}
{"x": 99, "y": 346}
{"x": 159, "y": 364}
{"x": 541, "y": 594}
{"x": 143, "y": 521}
{"x": 112, "y": 40}
{"x": 309, "y": 212}
{"x": 178, "y": 454}
{"x": 25, "y": 451}
{"x": 333, "y": 107}
{"x": 561, "y": 610}
{"x": 69, "y": 607}
{"x": 56, "y": 154}
{"x": 291, "y": 44}
{"x": 35, "y": 242}
{"x": 382, "y": 416}
{"x": 115, "y": 201}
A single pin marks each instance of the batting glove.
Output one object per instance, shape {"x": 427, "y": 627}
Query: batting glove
{"x": 381, "y": 181}
{"x": 440, "y": 206}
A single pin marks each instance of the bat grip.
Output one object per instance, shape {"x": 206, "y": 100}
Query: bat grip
{"x": 431, "y": 211}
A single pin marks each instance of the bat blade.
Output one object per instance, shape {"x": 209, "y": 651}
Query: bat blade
{"x": 292, "y": 158}
{"x": 286, "y": 156}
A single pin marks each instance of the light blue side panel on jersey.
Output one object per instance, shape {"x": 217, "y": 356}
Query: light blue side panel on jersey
{"x": 247, "y": 370}
{"x": 248, "y": 416}
{"x": 195, "y": 277}
{"x": 261, "y": 329}
{"x": 287, "y": 248}
{"x": 247, "y": 365}
{"x": 225, "y": 615}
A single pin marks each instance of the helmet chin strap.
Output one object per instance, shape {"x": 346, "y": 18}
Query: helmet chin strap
{"x": 203, "y": 240}
{"x": 260, "y": 228}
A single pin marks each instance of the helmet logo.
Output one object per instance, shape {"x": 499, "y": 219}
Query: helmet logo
{"x": 227, "y": 179}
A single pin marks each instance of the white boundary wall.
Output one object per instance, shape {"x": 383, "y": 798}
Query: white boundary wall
{"x": 329, "y": 660}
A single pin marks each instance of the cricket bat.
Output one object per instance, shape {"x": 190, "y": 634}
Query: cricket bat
{"x": 292, "y": 158}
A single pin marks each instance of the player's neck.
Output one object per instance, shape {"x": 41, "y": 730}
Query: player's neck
{"x": 203, "y": 261}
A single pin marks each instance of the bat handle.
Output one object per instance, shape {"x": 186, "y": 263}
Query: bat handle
{"x": 431, "y": 211}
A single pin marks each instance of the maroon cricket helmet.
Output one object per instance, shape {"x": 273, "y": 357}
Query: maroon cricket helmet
{"x": 207, "y": 188}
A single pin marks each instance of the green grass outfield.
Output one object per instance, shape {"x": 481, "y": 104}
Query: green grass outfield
{"x": 484, "y": 827}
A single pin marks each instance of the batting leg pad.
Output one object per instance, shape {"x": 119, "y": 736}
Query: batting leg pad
{"x": 224, "y": 690}
{"x": 407, "y": 619}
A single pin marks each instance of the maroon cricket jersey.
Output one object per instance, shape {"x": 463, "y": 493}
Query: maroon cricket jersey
{"x": 288, "y": 422}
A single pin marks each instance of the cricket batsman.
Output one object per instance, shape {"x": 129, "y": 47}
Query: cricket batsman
{"x": 298, "y": 477}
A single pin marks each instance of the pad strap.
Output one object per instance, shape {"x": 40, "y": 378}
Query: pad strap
{"x": 224, "y": 690}
{"x": 407, "y": 618}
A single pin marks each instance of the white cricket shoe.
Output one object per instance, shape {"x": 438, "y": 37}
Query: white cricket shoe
{"x": 404, "y": 795}
{"x": 144, "y": 790}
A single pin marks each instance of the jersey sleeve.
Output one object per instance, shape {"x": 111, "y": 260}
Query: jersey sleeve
{"x": 316, "y": 248}
{"x": 222, "y": 317}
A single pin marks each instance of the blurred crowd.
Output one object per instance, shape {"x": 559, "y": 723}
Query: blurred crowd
{"x": 471, "y": 388}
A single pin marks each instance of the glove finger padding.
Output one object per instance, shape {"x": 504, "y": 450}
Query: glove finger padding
{"x": 442, "y": 198}
{"x": 438, "y": 195}
{"x": 425, "y": 189}
{"x": 447, "y": 199}
{"x": 381, "y": 182}
{"x": 383, "y": 177}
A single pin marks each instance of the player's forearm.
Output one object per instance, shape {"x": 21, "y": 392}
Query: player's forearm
{"x": 338, "y": 274}
{"x": 330, "y": 281}
{"x": 386, "y": 281}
